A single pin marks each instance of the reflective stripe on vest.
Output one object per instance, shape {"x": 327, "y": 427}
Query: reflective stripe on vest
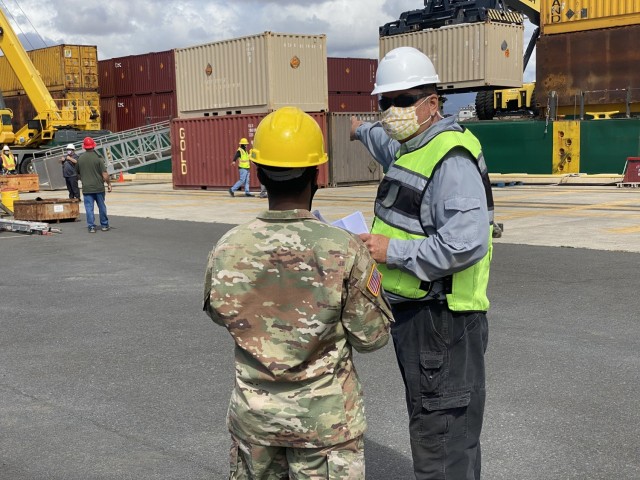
{"x": 397, "y": 215}
{"x": 244, "y": 159}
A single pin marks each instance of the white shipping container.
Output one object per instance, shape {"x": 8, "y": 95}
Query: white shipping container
{"x": 253, "y": 74}
{"x": 469, "y": 56}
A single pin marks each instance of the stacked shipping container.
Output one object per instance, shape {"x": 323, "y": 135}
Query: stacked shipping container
{"x": 70, "y": 73}
{"x": 350, "y": 82}
{"x": 137, "y": 90}
{"x": 586, "y": 55}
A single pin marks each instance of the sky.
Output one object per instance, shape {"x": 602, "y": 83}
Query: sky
{"x": 129, "y": 27}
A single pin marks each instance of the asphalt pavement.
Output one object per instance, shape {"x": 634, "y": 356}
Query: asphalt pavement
{"x": 110, "y": 370}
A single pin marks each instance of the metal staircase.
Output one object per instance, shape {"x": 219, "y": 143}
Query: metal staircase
{"x": 122, "y": 151}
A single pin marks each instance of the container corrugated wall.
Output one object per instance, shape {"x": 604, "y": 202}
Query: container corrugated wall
{"x": 353, "y": 102}
{"x": 578, "y": 15}
{"x": 469, "y": 56}
{"x": 202, "y": 150}
{"x": 124, "y": 113}
{"x": 254, "y": 74}
{"x": 351, "y": 74}
{"x": 62, "y": 67}
{"x": 602, "y": 63}
{"x": 138, "y": 74}
{"x": 350, "y": 162}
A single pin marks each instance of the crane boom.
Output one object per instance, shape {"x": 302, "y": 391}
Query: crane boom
{"x": 50, "y": 117}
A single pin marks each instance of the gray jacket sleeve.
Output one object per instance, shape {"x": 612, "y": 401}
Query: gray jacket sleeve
{"x": 381, "y": 147}
{"x": 454, "y": 213}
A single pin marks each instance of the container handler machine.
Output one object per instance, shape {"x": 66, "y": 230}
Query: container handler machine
{"x": 440, "y": 13}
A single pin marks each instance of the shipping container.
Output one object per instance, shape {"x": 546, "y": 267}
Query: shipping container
{"x": 601, "y": 63}
{"x": 62, "y": 67}
{"x": 469, "y": 56}
{"x": 108, "y": 113}
{"x": 351, "y": 74}
{"x": 23, "y": 109}
{"x": 349, "y": 161}
{"x": 202, "y": 150}
{"x": 562, "y": 16}
{"x": 353, "y": 102}
{"x": 254, "y": 74}
{"x": 125, "y": 113}
{"x": 137, "y": 74}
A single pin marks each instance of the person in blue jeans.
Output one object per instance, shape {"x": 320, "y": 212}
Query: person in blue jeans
{"x": 244, "y": 164}
{"x": 93, "y": 173}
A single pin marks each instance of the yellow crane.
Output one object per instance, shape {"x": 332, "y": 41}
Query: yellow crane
{"x": 50, "y": 117}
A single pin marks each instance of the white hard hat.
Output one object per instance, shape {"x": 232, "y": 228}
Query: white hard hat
{"x": 6, "y": 147}
{"x": 403, "y": 68}
{"x": 71, "y": 147}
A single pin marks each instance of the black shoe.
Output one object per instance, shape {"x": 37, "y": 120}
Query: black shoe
{"x": 105, "y": 229}
{"x": 249, "y": 195}
{"x": 263, "y": 195}
{"x": 231, "y": 193}
{"x": 92, "y": 229}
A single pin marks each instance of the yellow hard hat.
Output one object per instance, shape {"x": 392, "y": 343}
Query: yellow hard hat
{"x": 288, "y": 138}
{"x": 244, "y": 141}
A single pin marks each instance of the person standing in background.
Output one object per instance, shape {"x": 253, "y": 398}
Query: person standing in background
{"x": 69, "y": 172}
{"x": 93, "y": 173}
{"x": 8, "y": 161}
{"x": 244, "y": 166}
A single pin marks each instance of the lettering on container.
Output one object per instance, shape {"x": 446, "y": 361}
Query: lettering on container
{"x": 556, "y": 9}
{"x": 182, "y": 134}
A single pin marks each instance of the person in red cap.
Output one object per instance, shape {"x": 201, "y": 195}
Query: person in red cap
{"x": 93, "y": 173}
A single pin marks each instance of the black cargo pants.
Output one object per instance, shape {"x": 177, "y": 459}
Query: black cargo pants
{"x": 441, "y": 358}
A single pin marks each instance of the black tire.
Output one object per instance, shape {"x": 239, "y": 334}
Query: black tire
{"x": 27, "y": 166}
{"x": 533, "y": 107}
{"x": 489, "y": 108}
{"x": 480, "y": 106}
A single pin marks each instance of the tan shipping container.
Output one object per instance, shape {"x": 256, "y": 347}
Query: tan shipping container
{"x": 563, "y": 16}
{"x": 254, "y": 74}
{"x": 468, "y": 56}
{"x": 62, "y": 67}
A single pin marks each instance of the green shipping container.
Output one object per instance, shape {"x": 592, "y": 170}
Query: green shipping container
{"x": 523, "y": 146}
{"x": 606, "y": 144}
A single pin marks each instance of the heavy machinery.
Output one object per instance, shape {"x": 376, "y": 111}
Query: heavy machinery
{"x": 52, "y": 120}
{"x": 440, "y": 13}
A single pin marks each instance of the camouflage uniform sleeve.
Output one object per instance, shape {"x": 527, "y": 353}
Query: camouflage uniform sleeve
{"x": 366, "y": 315}
{"x": 208, "y": 279}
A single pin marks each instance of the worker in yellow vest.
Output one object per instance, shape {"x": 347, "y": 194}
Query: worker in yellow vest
{"x": 244, "y": 164}
{"x": 8, "y": 161}
{"x": 432, "y": 239}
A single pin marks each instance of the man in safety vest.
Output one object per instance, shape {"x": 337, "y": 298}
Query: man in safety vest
{"x": 244, "y": 164}
{"x": 432, "y": 236}
{"x": 297, "y": 295}
{"x": 8, "y": 161}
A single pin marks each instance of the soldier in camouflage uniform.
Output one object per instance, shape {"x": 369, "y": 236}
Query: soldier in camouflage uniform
{"x": 296, "y": 295}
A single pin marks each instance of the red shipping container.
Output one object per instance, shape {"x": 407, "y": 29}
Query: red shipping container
{"x": 632, "y": 170}
{"x": 163, "y": 107}
{"x": 202, "y": 150}
{"x": 351, "y": 74}
{"x": 162, "y": 71}
{"x": 108, "y": 118}
{"x": 352, "y": 102}
{"x": 133, "y": 112}
{"x": 106, "y": 80}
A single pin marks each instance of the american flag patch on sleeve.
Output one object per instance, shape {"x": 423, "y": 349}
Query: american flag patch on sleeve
{"x": 375, "y": 281}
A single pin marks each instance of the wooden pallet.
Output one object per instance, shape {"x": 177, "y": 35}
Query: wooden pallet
{"x": 47, "y": 210}
{"x": 28, "y": 182}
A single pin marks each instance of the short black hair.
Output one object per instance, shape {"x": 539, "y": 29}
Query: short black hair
{"x": 428, "y": 89}
{"x": 295, "y": 186}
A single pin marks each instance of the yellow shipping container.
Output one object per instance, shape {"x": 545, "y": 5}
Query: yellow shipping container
{"x": 562, "y": 16}
{"x": 62, "y": 67}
